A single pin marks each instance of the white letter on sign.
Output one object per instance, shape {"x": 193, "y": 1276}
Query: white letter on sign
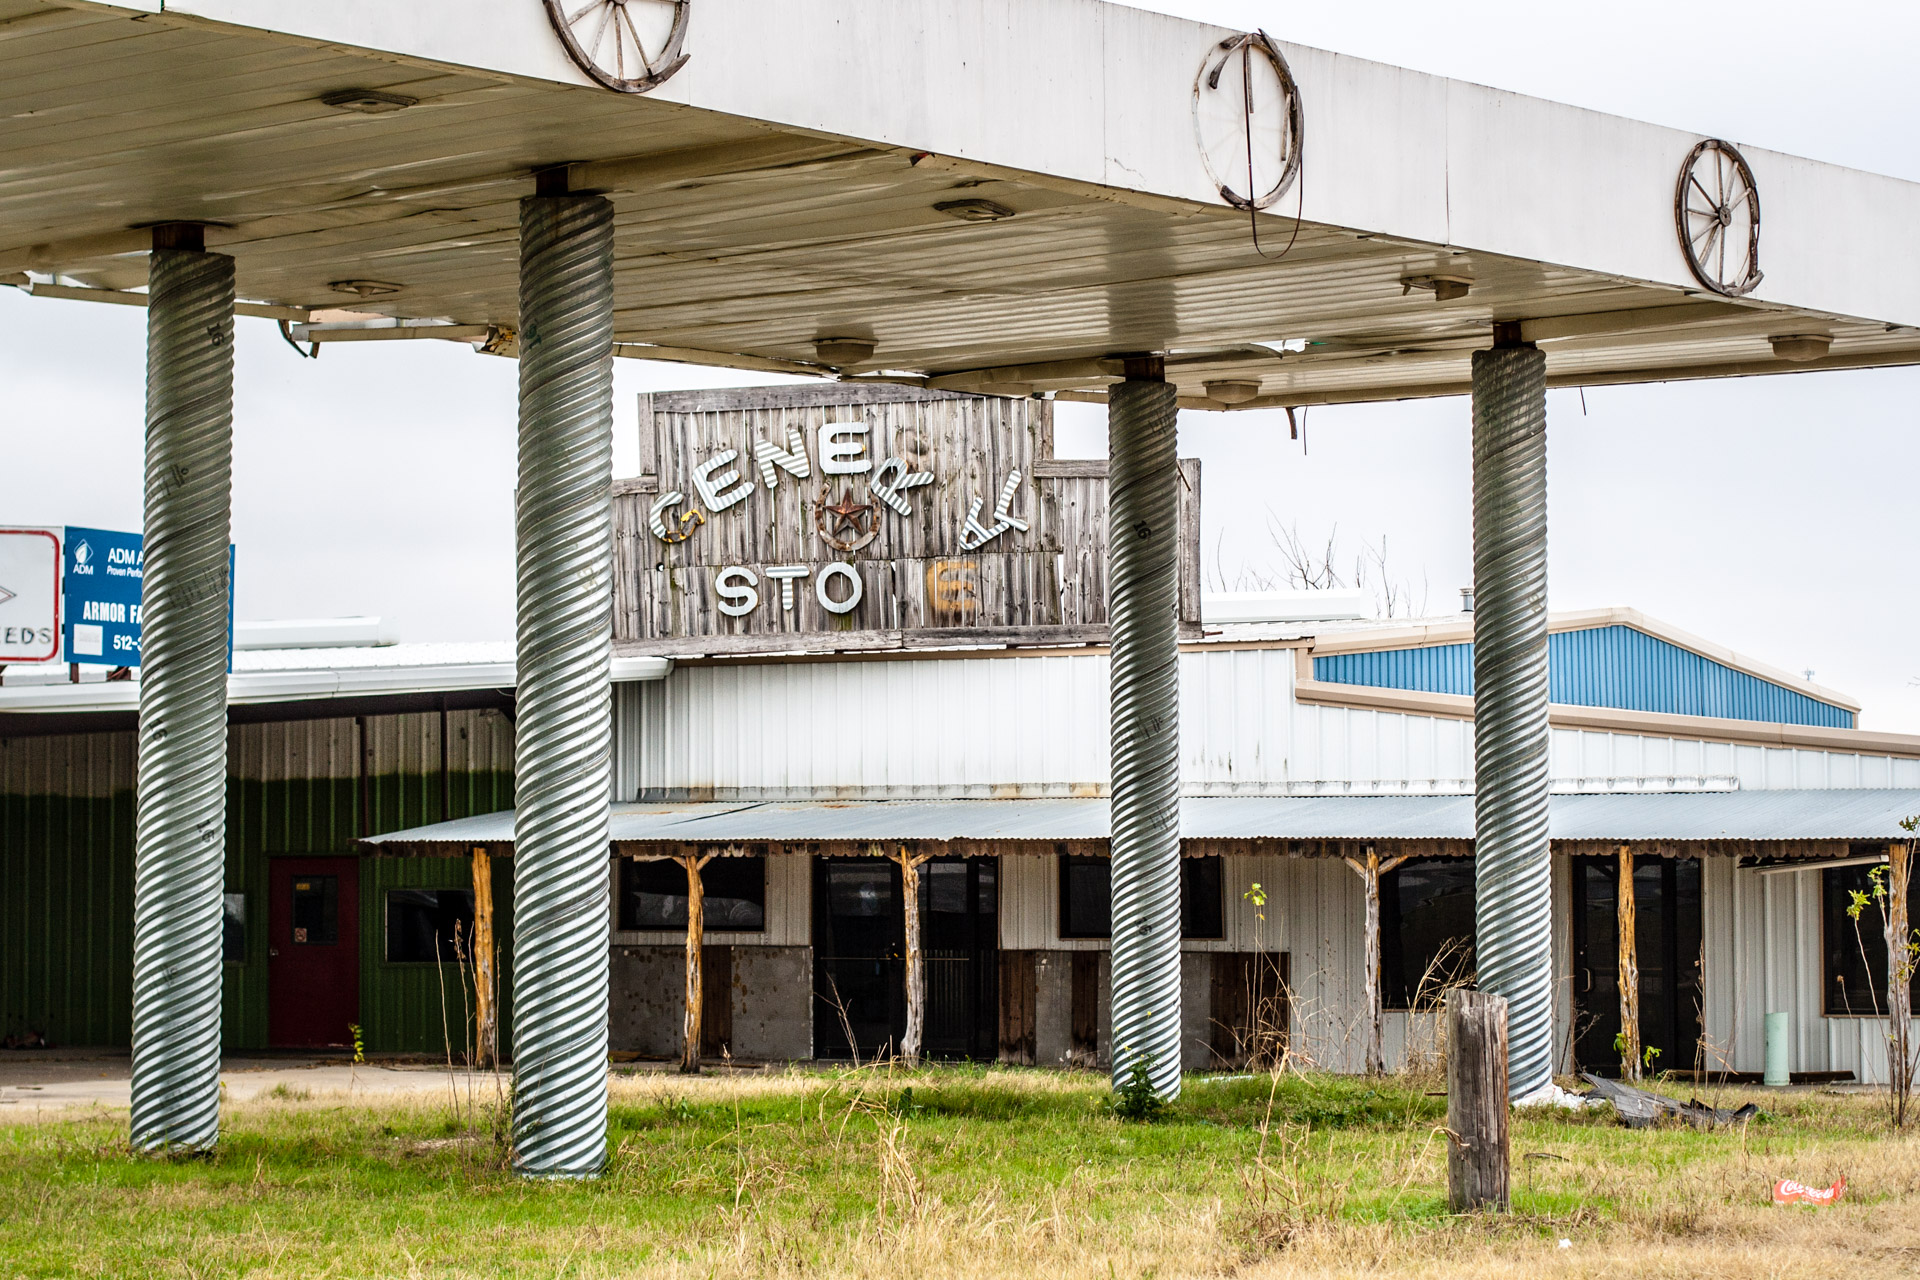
{"x": 736, "y": 599}
{"x": 842, "y": 446}
{"x": 891, "y": 478}
{"x": 792, "y": 459}
{"x": 784, "y": 574}
{"x": 855, "y": 588}
{"x": 711, "y": 486}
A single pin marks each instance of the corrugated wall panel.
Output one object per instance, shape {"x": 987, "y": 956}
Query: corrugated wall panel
{"x": 66, "y": 849}
{"x": 66, "y": 887}
{"x": 1613, "y": 666}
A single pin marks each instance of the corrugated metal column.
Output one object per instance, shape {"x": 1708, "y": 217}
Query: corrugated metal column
{"x": 563, "y": 739}
{"x": 1513, "y": 913}
{"x": 1143, "y": 549}
{"x": 181, "y": 836}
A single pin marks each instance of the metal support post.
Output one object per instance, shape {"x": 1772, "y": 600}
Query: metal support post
{"x": 563, "y": 729}
{"x": 1143, "y": 509}
{"x": 181, "y": 828}
{"x": 1513, "y": 913}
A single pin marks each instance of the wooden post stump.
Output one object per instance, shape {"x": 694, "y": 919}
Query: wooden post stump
{"x": 1477, "y": 1147}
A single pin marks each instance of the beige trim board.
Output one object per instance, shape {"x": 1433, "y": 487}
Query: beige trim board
{"x": 1651, "y": 724}
{"x": 1460, "y": 631}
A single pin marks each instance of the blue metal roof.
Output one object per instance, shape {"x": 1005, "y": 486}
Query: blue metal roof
{"x": 1614, "y": 666}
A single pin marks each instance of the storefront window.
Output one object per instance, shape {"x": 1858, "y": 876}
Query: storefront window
{"x": 1426, "y": 930}
{"x": 1086, "y": 898}
{"x": 425, "y": 926}
{"x": 653, "y": 895}
{"x": 1856, "y": 950}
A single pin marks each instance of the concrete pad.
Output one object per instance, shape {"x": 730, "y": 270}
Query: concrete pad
{"x": 34, "y": 1083}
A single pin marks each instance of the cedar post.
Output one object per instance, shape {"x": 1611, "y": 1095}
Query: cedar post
{"x": 1900, "y": 967}
{"x": 916, "y": 966}
{"x": 1630, "y": 1049}
{"x": 696, "y": 980}
{"x": 1370, "y": 872}
{"x": 1477, "y": 1154}
{"x": 486, "y": 1017}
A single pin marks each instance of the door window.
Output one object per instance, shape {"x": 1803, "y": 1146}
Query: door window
{"x": 316, "y": 911}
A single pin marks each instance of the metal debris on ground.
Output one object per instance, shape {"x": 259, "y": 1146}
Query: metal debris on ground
{"x": 1642, "y": 1110}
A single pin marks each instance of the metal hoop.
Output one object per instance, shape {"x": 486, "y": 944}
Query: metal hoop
{"x": 1705, "y": 209}
{"x": 1208, "y": 81}
{"x": 598, "y": 19}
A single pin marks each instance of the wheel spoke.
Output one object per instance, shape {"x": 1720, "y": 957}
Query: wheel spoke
{"x": 1694, "y": 178}
{"x": 600, "y": 32}
{"x": 639, "y": 48}
{"x": 574, "y": 18}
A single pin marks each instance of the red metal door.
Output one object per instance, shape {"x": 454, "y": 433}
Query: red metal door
{"x": 313, "y": 966}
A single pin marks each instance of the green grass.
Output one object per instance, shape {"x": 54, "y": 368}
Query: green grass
{"x": 952, "y": 1171}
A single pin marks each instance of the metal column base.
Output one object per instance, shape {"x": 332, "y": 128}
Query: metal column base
{"x": 1143, "y": 510}
{"x": 1513, "y": 912}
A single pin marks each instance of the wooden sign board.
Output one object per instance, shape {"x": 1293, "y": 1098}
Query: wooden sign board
{"x": 830, "y": 517}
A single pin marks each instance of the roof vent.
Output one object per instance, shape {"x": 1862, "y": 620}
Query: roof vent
{"x": 368, "y": 102}
{"x": 1801, "y": 346}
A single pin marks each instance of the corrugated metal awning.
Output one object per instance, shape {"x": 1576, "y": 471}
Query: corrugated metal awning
{"x": 1705, "y": 818}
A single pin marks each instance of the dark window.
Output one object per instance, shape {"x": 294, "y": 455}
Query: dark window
{"x": 429, "y": 925}
{"x": 316, "y": 910}
{"x": 653, "y": 895}
{"x": 233, "y": 928}
{"x": 1086, "y": 898}
{"x": 1426, "y": 929}
{"x": 1200, "y": 901}
{"x": 1856, "y": 960}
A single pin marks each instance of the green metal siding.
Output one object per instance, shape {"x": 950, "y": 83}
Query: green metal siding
{"x": 66, "y": 917}
{"x": 422, "y": 1008}
{"x": 67, "y": 810}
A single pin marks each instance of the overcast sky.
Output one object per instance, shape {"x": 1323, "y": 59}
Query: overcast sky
{"x": 1770, "y": 515}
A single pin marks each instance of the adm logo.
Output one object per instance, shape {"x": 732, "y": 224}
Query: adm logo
{"x": 629, "y": 46}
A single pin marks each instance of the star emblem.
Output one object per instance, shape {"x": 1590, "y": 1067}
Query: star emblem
{"x": 846, "y": 525}
{"x": 848, "y": 514}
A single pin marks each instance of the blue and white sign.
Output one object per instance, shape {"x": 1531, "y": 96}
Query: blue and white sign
{"x": 104, "y": 570}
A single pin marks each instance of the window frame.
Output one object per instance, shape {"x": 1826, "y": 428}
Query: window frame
{"x": 1067, "y": 861}
{"x": 1391, "y": 1000}
{"x": 630, "y": 866}
{"x": 1874, "y": 934}
{"x": 386, "y": 922}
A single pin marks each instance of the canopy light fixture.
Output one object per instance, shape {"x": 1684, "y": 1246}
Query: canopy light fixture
{"x": 974, "y": 210}
{"x": 843, "y": 351}
{"x": 1232, "y": 392}
{"x": 1801, "y": 346}
{"x": 369, "y": 102}
{"x": 1443, "y": 288}
{"x": 365, "y": 288}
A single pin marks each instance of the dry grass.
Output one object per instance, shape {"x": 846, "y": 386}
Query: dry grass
{"x": 958, "y": 1173}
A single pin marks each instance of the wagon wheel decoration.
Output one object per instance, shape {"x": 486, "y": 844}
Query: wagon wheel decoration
{"x": 1246, "y": 120}
{"x": 1716, "y": 208}
{"x": 608, "y": 39}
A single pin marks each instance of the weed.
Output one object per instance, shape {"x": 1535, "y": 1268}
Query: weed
{"x": 1136, "y": 1099}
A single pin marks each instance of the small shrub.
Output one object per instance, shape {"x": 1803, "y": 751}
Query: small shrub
{"x": 1136, "y": 1098}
